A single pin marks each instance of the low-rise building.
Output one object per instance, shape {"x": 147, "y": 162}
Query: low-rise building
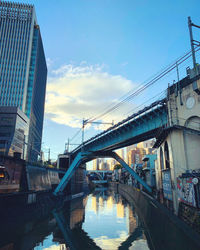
{"x": 14, "y": 125}
{"x": 149, "y": 168}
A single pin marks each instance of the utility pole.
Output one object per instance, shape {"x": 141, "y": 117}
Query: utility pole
{"x": 193, "y": 42}
{"x": 178, "y": 87}
{"x": 68, "y": 145}
{"x": 83, "y": 125}
{"x": 86, "y": 122}
{"x": 49, "y": 155}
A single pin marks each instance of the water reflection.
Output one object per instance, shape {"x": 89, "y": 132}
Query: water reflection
{"x": 102, "y": 220}
{"x": 110, "y": 222}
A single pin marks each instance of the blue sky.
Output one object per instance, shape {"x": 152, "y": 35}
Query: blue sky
{"x": 98, "y": 50}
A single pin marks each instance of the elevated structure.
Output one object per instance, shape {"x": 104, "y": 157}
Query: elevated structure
{"x": 157, "y": 120}
{"x": 99, "y": 173}
{"x": 140, "y": 126}
{"x": 178, "y": 146}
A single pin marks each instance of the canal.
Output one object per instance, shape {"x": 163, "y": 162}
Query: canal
{"x": 102, "y": 220}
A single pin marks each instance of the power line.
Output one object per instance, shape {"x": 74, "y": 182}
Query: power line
{"x": 75, "y": 135}
{"x": 136, "y": 108}
{"x": 143, "y": 87}
{"x": 147, "y": 80}
{"x": 140, "y": 89}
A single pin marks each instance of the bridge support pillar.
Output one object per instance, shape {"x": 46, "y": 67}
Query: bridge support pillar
{"x": 75, "y": 164}
{"x": 86, "y": 156}
{"x": 130, "y": 170}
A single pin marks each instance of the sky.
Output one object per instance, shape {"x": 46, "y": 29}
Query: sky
{"x": 97, "y": 51}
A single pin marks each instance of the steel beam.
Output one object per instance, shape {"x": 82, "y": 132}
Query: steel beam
{"x": 130, "y": 170}
{"x": 87, "y": 156}
{"x": 123, "y": 163}
{"x": 65, "y": 229}
{"x": 75, "y": 164}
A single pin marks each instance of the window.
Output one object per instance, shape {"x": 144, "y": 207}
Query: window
{"x": 167, "y": 160}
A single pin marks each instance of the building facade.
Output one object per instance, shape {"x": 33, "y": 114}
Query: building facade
{"x": 135, "y": 156}
{"x": 14, "y": 126}
{"x": 96, "y": 164}
{"x": 178, "y": 168}
{"x": 23, "y": 69}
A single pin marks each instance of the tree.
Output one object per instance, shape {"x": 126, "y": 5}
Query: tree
{"x": 117, "y": 166}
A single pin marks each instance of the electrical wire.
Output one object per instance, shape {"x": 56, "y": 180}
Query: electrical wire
{"x": 139, "y": 106}
{"x": 75, "y": 135}
{"x": 143, "y": 87}
{"x": 140, "y": 89}
{"x": 147, "y": 80}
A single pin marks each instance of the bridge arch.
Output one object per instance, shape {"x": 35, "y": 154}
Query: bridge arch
{"x": 193, "y": 122}
{"x": 192, "y": 142}
{"x": 83, "y": 157}
{"x": 97, "y": 174}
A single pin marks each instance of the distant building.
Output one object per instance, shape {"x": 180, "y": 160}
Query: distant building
{"x": 104, "y": 166}
{"x": 111, "y": 163}
{"x": 96, "y": 164}
{"x": 42, "y": 158}
{"x": 136, "y": 152}
{"x": 23, "y": 69}
{"x": 146, "y": 144}
{"x": 135, "y": 156}
{"x": 149, "y": 168}
{"x": 14, "y": 126}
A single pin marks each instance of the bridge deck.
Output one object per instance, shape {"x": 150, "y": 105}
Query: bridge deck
{"x": 139, "y": 127}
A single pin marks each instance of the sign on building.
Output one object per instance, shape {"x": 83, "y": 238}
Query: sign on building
{"x": 167, "y": 187}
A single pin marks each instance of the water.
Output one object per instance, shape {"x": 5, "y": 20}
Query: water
{"x": 110, "y": 221}
{"x": 102, "y": 220}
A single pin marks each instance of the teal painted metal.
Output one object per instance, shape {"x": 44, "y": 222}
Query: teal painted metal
{"x": 87, "y": 156}
{"x": 100, "y": 181}
{"x": 130, "y": 131}
{"x": 75, "y": 164}
{"x": 141, "y": 126}
{"x": 131, "y": 171}
{"x": 64, "y": 228}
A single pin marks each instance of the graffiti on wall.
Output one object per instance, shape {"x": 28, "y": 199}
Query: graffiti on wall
{"x": 186, "y": 192}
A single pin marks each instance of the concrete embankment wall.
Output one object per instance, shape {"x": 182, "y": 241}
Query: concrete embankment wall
{"x": 163, "y": 229}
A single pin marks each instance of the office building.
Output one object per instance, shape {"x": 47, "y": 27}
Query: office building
{"x": 14, "y": 126}
{"x": 96, "y": 164}
{"x": 23, "y": 69}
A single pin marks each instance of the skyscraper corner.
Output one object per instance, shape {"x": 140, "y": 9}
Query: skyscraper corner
{"x": 23, "y": 73}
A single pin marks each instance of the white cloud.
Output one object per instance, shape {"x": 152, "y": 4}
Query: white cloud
{"x": 84, "y": 91}
{"x": 49, "y": 62}
{"x": 140, "y": 244}
{"x": 111, "y": 243}
{"x": 54, "y": 247}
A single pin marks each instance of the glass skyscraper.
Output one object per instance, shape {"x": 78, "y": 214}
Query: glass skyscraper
{"x": 23, "y": 69}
